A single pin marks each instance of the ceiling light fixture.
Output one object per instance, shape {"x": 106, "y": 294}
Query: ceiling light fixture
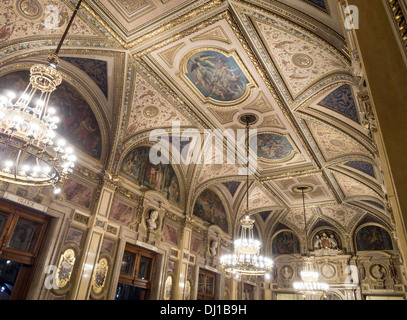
{"x": 30, "y": 152}
{"x": 309, "y": 276}
{"x": 246, "y": 259}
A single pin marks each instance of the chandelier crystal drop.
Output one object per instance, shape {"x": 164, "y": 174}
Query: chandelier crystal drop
{"x": 31, "y": 154}
{"x": 246, "y": 259}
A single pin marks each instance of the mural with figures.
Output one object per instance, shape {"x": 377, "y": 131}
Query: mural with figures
{"x": 272, "y": 146}
{"x": 217, "y": 75}
{"x": 78, "y": 124}
{"x": 209, "y": 208}
{"x": 285, "y": 243}
{"x": 162, "y": 178}
{"x": 372, "y": 238}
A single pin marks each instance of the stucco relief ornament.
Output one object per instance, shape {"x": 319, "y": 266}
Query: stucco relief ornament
{"x": 378, "y": 272}
{"x": 325, "y": 244}
{"x": 65, "y": 267}
{"x": 99, "y": 278}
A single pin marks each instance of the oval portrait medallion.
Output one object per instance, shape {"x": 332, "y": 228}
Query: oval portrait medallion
{"x": 328, "y": 271}
{"x": 151, "y": 112}
{"x": 29, "y": 9}
{"x": 302, "y": 60}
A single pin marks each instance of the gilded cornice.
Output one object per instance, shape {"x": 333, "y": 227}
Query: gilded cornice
{"x": 166, "y": 27}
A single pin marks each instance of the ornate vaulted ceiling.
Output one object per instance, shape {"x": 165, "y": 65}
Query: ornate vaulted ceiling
{"x": 145, "y": 64}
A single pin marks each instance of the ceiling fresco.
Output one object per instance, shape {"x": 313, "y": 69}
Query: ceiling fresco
{"x": 202, "y": 64}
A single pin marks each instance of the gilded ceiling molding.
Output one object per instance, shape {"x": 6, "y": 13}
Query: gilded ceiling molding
{"x": 183, "y": 34}
{"x": 292, "y": 15}
{"x": 260, "y": 104}
{"x": 354, "y": 189}
{"x": 339, "y": 125}
{"x": 300, "y": 61}
{"x": 321, "y": 82}
{"x": 190, "y": 15}
{"x": 164, "y": 88}
{"x": 326, "y": 83}
{"x": 370, "y": 182}
{"x": 169, "y": 54}
{"x": 108, "y": 29}
{"x": 122, "y": 120}
{"x": 358, "y": 148}
{"x": 217, "y": 34}
{"x": 398, "y": 8}
{"x": 224, "y": 116}
{"x": 290, "y": 174}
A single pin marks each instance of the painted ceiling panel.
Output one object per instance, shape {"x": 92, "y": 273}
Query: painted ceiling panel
{"x": 342, "y": 101}
{"x": 202, "y": 64}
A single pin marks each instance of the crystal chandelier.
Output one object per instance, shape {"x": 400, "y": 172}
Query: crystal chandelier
{"x": 246, "y": 259}
{"x": 309, "y": 276}
{"x": 30, "y": 152}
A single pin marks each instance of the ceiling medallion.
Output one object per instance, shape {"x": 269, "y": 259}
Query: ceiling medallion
{"x": 248, "y": 118}
{"x": 217, "y": 77}
{"x": 302, "y": 188}
{"x": 31, "y": 10}
{"x": 302, "y": 60}
{"x": 151, "y": 112}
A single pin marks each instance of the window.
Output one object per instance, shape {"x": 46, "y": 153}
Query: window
{"x": 206, "y": 285}
{"x": 136, "y": 274}
{"x": 21, "y": 235}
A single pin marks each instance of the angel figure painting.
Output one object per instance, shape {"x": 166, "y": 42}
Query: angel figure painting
{"x": 273, "y": 146}
{"x": 217, "y": 76}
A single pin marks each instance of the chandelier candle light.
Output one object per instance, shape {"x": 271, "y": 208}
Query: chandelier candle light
{"x": 246, "y": 259}
{"x": 30, "y": 153}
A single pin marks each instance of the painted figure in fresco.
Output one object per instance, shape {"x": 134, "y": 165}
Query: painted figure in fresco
{"x": 373, "y": 238}
{"x": 217, "y": 76}
{"x": 285, "y": 243}
{"x": 273, "y": 146}
{"x": 84, "y": 131}
{"x": 161, "y": 177}
{"x": 209, "y": 208}
{"x": 78, "y": 123}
